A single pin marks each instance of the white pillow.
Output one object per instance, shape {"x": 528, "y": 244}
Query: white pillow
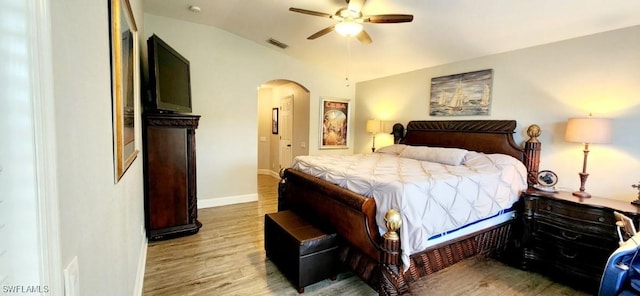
{"x": 448, "y": 156}
{"x": 394, "y": 149}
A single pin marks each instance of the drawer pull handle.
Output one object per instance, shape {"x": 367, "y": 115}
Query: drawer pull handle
{"x": 601, "y": 219}
{"x": 549, "y": 208}
{"x": 573, "y": 255}
{"x": 569, "y": 235}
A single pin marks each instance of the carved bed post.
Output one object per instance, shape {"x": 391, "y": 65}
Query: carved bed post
{"x": 398, "y": 133}
{"x": 532, "y": 154}
{"x": 282, "y": 186}
{"x": 391, "y": 279}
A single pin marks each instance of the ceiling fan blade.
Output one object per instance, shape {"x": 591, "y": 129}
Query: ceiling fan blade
{"x": 355, "y": 5}
{"x": 388, "y": 18}
{"x": 310, "y": 12}
{"x": 322, "y": 32}
{"x": 364, "y": 37}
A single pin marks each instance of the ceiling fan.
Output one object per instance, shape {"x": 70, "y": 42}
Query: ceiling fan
{"x": 350, "y": 20}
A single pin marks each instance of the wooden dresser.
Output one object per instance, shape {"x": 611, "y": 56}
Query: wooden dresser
{"x": 570, "y": 238}
{"x": 169, "y": 147}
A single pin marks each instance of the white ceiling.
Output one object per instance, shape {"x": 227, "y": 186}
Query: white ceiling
{"x": 443, "y": 31}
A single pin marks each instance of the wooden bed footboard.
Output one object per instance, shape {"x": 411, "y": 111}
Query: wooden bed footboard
{"x": 375, "y": 258}
{"x": 332, "y": 207}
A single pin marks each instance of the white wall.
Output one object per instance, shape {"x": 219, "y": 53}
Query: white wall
{"x": 544, "y": 85}
{"x": 100, "y": 222}
{"x": 301, "y": 119}
{"x": 226, "y": 71}
{"x": 264, "y": 129}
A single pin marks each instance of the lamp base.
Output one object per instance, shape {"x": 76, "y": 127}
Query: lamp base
{"x": 581, "y": 194}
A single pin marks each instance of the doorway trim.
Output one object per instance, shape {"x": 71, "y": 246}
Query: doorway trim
{"x": 269, "y": 95}
{"x": 44, "y": 125}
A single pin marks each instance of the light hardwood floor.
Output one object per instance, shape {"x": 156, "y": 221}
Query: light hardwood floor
{"x": 227, "y": 258}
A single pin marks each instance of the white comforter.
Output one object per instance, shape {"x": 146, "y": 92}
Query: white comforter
{"x": 433, "y": 198}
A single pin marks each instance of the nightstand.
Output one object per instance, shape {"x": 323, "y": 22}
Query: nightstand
{"x": 569, "y": 238}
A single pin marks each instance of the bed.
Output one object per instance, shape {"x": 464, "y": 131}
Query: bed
{"x": 377, "y": 235}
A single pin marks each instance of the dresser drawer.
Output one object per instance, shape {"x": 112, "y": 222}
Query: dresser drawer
{"x": 588, "y": 261}
{"x": 574, "y": 234}
{"x": 576, "y": 217}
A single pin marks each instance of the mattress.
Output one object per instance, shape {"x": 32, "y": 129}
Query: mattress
{"x": 433, "y": 198}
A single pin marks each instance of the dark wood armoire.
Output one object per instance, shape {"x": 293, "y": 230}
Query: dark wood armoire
{"x": 169, "y": 152}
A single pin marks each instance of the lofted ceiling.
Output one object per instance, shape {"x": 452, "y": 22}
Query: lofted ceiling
{"x": 442, "y": 31}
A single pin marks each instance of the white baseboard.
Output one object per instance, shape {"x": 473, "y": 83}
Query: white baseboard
{"x": 204, "y": 203}
{"x": 269, "y": 172}
{"x": 139, "y": 284}
{"x": 223, "y": 201}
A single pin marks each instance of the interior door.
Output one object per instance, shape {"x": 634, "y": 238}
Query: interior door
{"x": 286, "y": 131}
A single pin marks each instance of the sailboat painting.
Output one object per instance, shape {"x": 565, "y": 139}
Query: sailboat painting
{"x": 461, "y": 94}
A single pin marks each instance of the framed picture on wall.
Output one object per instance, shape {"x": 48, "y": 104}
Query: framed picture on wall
{"x": 274, "y": 121}
{"x": 124, "y": 69}
{"x": 334, "y": 123}
{"x": 461, "y": 94}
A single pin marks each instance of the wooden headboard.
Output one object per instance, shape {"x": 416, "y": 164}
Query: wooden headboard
{"x": 488, "y": 136}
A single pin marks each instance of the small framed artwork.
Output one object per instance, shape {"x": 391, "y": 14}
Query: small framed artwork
{"x": 461, "y": 94}
{"x": 274, "y": 121}
{"x": 334, "y": 123}
{"x": 124, "y": 70}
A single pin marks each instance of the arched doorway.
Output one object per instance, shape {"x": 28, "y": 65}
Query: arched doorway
{"x": 291, "y": 120}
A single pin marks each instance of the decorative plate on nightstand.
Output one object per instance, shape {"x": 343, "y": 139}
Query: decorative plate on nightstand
{"x": 546, "y": 180}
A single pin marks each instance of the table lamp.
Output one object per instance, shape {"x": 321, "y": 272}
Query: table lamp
{"x": 374, "y": 126}
{"x": 588, "y": 131}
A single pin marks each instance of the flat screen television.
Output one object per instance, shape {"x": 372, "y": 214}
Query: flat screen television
{"x": 169, "y": 78}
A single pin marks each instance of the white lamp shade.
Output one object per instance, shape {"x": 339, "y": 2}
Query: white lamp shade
{"x": 374, "y": 126}
{"x": 588, "y": 130}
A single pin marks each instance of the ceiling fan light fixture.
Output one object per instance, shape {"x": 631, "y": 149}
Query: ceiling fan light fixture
{"x": 348, "y": 28}
{"x": 349, "y": 21}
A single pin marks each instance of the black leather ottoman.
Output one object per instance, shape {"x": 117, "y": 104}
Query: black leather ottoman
{"x": 302, "y": 252}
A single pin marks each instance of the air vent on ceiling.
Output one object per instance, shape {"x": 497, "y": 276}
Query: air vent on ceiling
{"x": 277, "y": 43}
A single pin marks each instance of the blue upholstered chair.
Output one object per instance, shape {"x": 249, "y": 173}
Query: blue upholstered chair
{"x": 622, "y": 272}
